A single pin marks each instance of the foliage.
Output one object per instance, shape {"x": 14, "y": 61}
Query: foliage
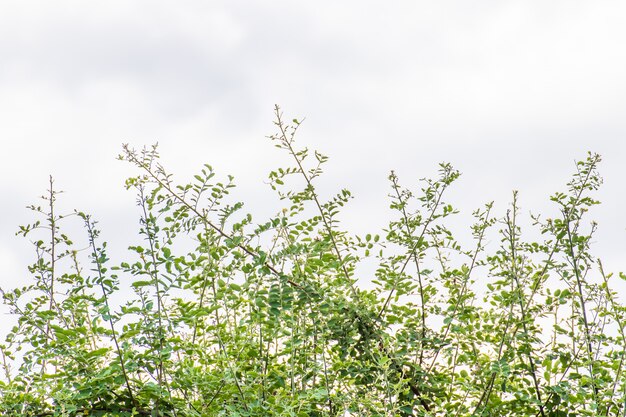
{"x": 216, "y": 315}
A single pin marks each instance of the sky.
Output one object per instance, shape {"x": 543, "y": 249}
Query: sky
{"x": 509, "y": 92}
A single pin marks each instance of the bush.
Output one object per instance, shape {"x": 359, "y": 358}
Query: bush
{"x": 222, "y": 316}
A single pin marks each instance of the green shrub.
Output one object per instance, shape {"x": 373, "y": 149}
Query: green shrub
{"x": 223, "y": 316}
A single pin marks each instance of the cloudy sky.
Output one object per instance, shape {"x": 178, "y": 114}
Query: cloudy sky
{"x": 510, "y": 92}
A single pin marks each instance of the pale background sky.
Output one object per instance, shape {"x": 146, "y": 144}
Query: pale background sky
{"x": 509, "y": 92}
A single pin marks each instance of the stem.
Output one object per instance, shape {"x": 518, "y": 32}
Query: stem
{"x": 53, "y": 227}
{"x": 620, "y": 326}
{"x": 583, "y": 309}
{"x": 202, "y": 216}
{"x": 489, "y": 387}
{"x": 329, "y": 230}
{"x": 155, "y": 277}
{"x": 414, "y": 248}
{"x": 511, "y": 223}
{"x": 465, "y": 281}
{"x": 96, "y": 258}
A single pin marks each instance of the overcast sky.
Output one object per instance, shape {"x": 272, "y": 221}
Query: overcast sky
{"x": 509, "y": 92}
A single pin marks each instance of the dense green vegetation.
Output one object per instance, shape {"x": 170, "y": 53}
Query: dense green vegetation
{"x": 223, "y": 316}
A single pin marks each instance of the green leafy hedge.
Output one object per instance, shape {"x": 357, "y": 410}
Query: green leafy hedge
{"x": 223, "y": 316}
